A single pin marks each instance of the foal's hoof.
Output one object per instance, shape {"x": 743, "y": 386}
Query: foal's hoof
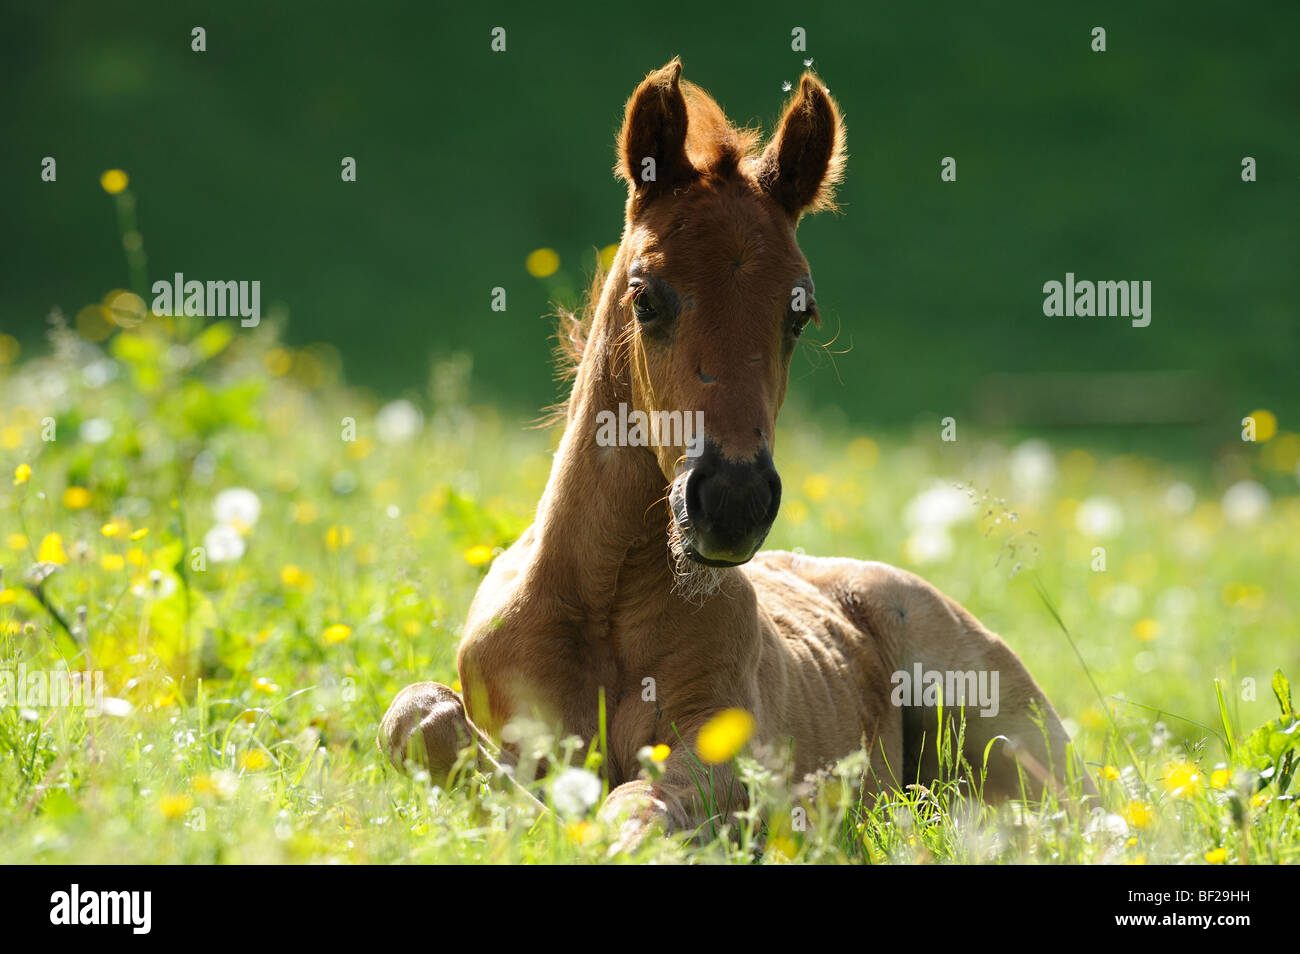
{"x": 426, "y": 724}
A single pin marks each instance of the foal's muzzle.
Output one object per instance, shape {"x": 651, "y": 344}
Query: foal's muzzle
{"x": 724, "y": 507}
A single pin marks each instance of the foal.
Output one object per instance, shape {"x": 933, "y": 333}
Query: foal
{"x": 641, "y": 571}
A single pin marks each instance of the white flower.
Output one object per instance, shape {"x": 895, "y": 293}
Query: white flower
{"x": 223, "y": 543}
{"x": 237, "y": 506}
{"x": 157, "y": 584}
{"x": 1245, "y": 503}
{"x": 398, "y": 421}
{"x": 1099, "y": 517}
{"x": 575, "y": 791}
{"x": 929, "y": 545}
{"x": 940, "y": 505}
{"x": 1180, "y": 498}
{"x": 95, "y": 430}
{"x": 1032, "y": 467}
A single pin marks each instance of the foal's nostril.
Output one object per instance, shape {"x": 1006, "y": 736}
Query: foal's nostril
{"x": 731, "y": 504}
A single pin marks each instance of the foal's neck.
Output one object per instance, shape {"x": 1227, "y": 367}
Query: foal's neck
{"x": 601, "y": 531}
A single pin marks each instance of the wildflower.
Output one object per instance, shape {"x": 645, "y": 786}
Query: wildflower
{"x": 1138, "y": 814}
{"x": 1245, "y": 503}
{"x": 175, "y": 806}
{"x": 1265, "y": 425}
{"x": 8, "y": 595}
{"x": 266, "y": 686}
{"x": 292, "y": 576}
{"x": 1146, "y": 630}
{"x": 51, "y": 550}
{"x": 575, "y": 791}
{"x": 338, "y": 538}
{"x": 336, "y": 633}
{"x": 305, "y": 512}
{"x": 254, "y": 760}
{"x": 17, "y": 541}
{"x": 1183, "y": 780}
{"x": 478, "y": 555}
{"x": 22, "y": 474}
{"x": 224, "y": 543}
{"x": 581, "y": 832}
{"x": 1099, "y": 517}
{"x": 398, "y": 422}
{"x": 140, "y": 534}
{"x": 113, "y": 181}
{"x": 660, "y": 752}
{"x": 238, "y": 507}
{"x": 1259, "y": 800}
{"x": 1110, "y": 773}
{"x": 816, "y": 487}
{"x": 1220, "y": 778}
{"x": 1216, "y": 856}
{"x": 111, "y": 529}
{"x": 724, "y": 734}
{"x": 113, "y": 562}
{"x": 542, "y": 262}
{"x": 76, "y": 498}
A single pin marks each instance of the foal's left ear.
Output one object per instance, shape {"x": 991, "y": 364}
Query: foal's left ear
{"x": 652, "y": 145}
{"x": 805, "y": 159}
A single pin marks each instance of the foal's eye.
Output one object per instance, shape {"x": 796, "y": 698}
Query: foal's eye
{"x": 643, "y": 305}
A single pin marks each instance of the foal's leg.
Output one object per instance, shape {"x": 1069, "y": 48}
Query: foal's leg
{"x": 427, "y": 724}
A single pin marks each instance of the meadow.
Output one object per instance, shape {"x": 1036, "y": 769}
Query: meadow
{"x": 257, "y": 557}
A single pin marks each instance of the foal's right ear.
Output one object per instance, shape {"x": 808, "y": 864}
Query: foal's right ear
{"x": 652, "y": 145}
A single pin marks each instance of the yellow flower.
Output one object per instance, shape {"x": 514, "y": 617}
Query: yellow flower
{"x": 455, "y": 685}
{"x": 1146, "y": 630}
{"x": 724, "y": 734}
{"x": 782, "y": 847}
{"x": 581, "y": 832}
{"x": 336, "y": 633}
{"x": 1217, "y": 856}
{"x": 76, "y": 498}
{"x": 254, "y": 760}
{"x": 51, "y": 550}
{"x": 1139, "y": 860}
{"x": 336, "y": 537}
{"x": 305, "y": 512}
{"x": 111, "y": 529}
{"x": 478, "y": 555}
{"x": 163, "y": 700}
{"x": 140, "y": 534}
{"x": 816, "y": 487}
{"x": 8, "y": 595}
{"x": 114, "y": 181}
{"x": 17, "y": 541}
{"x": 1220, "y": 778}
{"x": 112, "y": 562}
{"x": 174, "y": 806}
{"x": 542, "y": 262}
{"x": 22, "y": 474}
{"x": 660, "y": 752}
{"x": 1138, "y": 814}
{"x": 261, "y": 684}
{"x": 1110, "y": 773}
{"x": 1183, "y": 779}
{"x": 1265, "y": 425}
{"x": 136, "y": 557}
{"x": 607, "y": 255}
{"x": 291, "y": 575}
{"x": 1259, "y": 800}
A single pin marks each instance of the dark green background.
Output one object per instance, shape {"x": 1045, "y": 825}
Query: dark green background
{"x": 1115, "y": 165}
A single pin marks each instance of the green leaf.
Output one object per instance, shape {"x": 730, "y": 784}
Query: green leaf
{"x": 1282, "y": 689}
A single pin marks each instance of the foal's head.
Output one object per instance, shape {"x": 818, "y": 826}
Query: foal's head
{"x": 715, "y": 292}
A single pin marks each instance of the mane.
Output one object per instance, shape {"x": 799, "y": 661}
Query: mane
{"x": 714, "y": 146}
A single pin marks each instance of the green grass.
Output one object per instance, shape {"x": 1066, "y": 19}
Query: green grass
{"x": 255, "y": 684}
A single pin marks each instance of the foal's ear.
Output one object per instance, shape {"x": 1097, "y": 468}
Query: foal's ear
{"x": 652, "y": 145}
{"x": 805, "y": 159}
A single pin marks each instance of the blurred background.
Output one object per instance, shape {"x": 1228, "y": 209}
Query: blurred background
{"x": 1122, "y": 165}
